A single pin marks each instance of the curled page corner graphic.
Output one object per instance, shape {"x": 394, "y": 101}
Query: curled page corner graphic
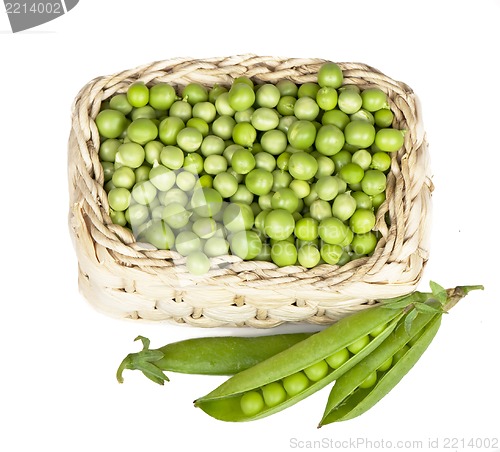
{"x": 31, "y": 13}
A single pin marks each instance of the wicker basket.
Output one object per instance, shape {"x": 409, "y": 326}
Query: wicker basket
{"x": 126, "y": 279}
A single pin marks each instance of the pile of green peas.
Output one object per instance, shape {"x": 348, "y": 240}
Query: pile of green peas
{"x": 288, "y": 173}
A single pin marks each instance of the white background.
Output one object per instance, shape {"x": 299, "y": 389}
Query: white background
{"x": 58, "y": 355}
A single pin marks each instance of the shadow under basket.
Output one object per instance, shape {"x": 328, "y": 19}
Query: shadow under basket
{"x": 123, "y": 278}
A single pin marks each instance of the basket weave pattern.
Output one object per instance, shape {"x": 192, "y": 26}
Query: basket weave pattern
{"x": 127, "y": 279}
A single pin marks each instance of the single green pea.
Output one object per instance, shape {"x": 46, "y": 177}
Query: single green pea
{"x": 119, "y": 102}
{"x": 243, "y": 194}
{"x": 162, "y": 96}
{"x": 187, "y": 242}
{"x": 138, "y": 94}
{"x": 118, "y": 217}
{"x": 142, "y": 131}
{"x": 198, "y": 263}
{"x": 369, "y": 381}
{"x": 283, "y": 253}
{"x": 338, "y": 358}
{"x": 295, "y": 383}
{"x": 359, "y": 344}
{"x": 383, "y": 117}
{"x": 216, "y": 246}
{"x": 108, "y": 149}
{"x": 245, "y": 244}
{"x": 176, "y": 215}
{"x": 251, "y": 403}
{"x": 379, "y": 330}
{"x": 171, "y": 156}
{"x": 159, "y": 234}
{"x": 111, "y": 123}
{"x": 124, "y": 177}
{"x": 119, "y": 199}
{"x": 144, "y": 192}
{"x": 317, "y": 371}
{"x": 238, "y": 217}
{"x": 169, "y": 128}
{"x": 274, "y": 393}
{"x": 386, "y": 365}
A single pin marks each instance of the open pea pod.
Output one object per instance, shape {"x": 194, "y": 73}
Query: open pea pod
{"x": 353, "y": 393}
{"x": 302, "y": 369}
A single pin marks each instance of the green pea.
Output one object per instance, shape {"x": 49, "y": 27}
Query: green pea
{"x": 169, "y": 128}
{"x": 259, "y": 181}
{"x": 160, "y": 235}
{"x": 130, "y": 154}
{"x": 142, "y": 131}
{"x": 124, "y": 177}
{"x": 360, "y": 134}
{"x": 274, "y": 394}
{"x": 176, "y": 215}
{"x": 308, "y": 256}
{"x": 386, "y": 365}
{"x": 301, "y": 134}
{"x": 369, "y": 381}
{"x": 337, "y": 359}
{"x": 187, "y": 242}
{"x": 377, "y": 331}
{"x": 243, "y": 195}
{"x": 162, "y": 96}
{"x": 364, "y": 243}
{"x": 197, "y": 263}
{"x": 193, "y": 163}
{"x": 349, "y": 101}
{"x": 119, "y": 102}
{"x": 383, "y": 117}
{"x": 118, "y": 217}
{"x": 331, "y": 254}
{"x": 195, "y": 93}
{"x": 301, "y": 188}
{"x": 359, "y": 344}
{"x": 238, "y": 217}
{"x": 335, "y": 117}
{"x": 119, "y": 199}
{"x": 245, "y": 244}
{"x": 373, "y": 99}
{"x": 251, "y": 403}
{"x": 274, "y": 141}
{"x": 295, "y": 383}
{"x": 286, "y": 105}
{"x": 284, "y": 253}
{"x": 380, "y": 161}
{"x": 216, "y": 246}
{"x": 226, "y": 184}
{"x": 223, "y": 126}
{"x": 162, "y": 177}
{"x": 172, "y": 157}
{"x": 265, "y": 119}
{"x": 108, "y": 149}
{"x": 330, "y": 74}
{"x": 362, "y": 221}
{"x": 268, "y": 95}
{"x": 138, "y": 94}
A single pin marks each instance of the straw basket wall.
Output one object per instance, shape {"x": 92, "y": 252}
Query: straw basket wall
{"x": 126, "y": 279}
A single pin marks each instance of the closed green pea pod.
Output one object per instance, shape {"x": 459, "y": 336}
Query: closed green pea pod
{"x": 224, "y": 355}
{"x": 349, "y": 399}
{"x": 223, "y": 403}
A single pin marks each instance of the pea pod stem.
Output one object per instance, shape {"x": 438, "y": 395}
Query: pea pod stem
{"x": 225, "y": 355}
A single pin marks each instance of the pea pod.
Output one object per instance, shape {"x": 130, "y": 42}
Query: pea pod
{"x": 300, "y": 370}
{"x": 352, "y": 396}
{"x": 348, "y": 398}
{"x": 207, "y": 355}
